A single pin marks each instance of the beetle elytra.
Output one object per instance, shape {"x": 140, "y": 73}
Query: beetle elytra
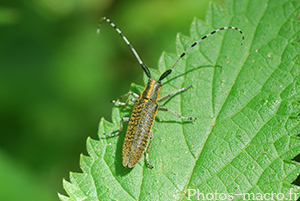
{"x": 146, "y": 106}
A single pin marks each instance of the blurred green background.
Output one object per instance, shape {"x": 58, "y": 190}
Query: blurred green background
{"x": 57, "y": 77}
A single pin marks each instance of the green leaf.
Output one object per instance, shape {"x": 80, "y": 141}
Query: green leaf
{"x": 245, "y": 99}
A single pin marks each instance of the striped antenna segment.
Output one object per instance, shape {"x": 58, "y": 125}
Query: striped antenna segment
{"x": 204, "y": 37}
{"x": 126, "y": 41}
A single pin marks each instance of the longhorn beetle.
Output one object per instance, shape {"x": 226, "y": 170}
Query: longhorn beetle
{"x": 145, "y": 106}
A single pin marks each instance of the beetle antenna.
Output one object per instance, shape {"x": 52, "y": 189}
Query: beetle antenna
{"x": 144, "y": 67}
{"x": 165, "y": 74}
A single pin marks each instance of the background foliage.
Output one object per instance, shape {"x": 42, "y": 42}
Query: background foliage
{"x": 57, "y": 78}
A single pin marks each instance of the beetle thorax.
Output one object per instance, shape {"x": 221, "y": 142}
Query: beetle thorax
{"x": 152, "y": 90}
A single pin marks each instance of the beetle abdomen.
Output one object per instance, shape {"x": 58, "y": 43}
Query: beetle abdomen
{"x": 138, "y": 131}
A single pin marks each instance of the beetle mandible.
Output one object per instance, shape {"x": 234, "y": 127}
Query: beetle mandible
{"x": 146, "y": 106}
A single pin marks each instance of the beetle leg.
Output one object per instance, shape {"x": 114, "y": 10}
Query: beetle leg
{"x": 127, "y": 101}
{"x": 122, "y": 103}
{"x": 174, "y": 93}
{"x": 178, "y": 115}
{"x": 147, "y": 151}
{"x": 121, "y": 127}
{"x": 130, "y": 93}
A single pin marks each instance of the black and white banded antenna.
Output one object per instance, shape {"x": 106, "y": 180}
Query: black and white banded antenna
{"x": 165, "y": 74}
{"x": 127, "y": 42}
